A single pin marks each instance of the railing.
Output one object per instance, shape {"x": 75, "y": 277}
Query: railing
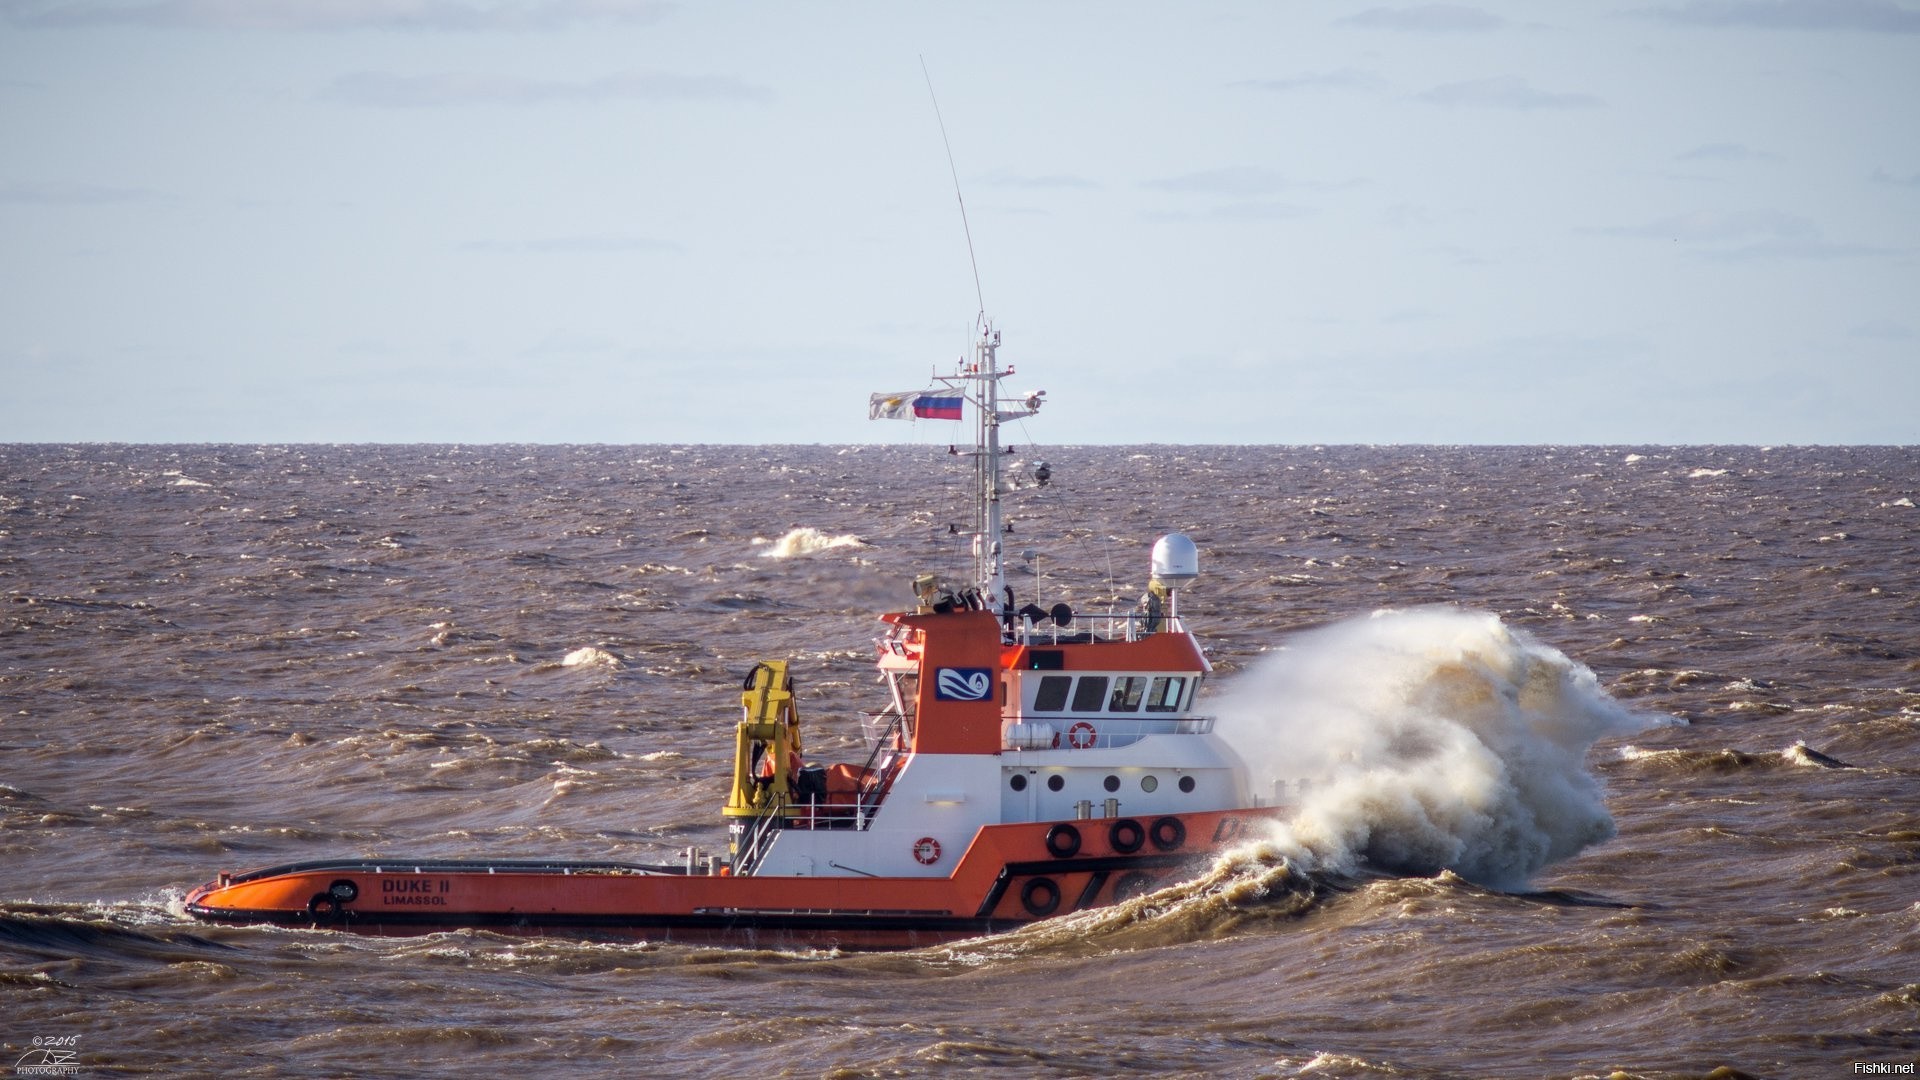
{"x": 1100, "y": 733}
{"x": 882, "y": 772}
{"x": 752, "y": 841}
{"x": 1112, "y": 626}
{"x": 883, "y": 764}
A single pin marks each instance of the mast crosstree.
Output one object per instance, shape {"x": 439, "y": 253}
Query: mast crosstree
{"x": 979, "y": 383}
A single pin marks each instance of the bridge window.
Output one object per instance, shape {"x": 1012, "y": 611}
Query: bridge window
{"x": 1090, "y": 693}
{"x": 1052, "y": 695}
{"x": 1166, "y": 693}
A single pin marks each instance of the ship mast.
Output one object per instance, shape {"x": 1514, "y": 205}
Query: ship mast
{"x": 989, "y": 528}
{"x": 989, "y": 569}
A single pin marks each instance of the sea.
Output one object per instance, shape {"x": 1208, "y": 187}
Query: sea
{"x": 1606, "y": 759}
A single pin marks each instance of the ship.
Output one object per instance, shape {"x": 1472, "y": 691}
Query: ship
{"x": 1023, "y": 763}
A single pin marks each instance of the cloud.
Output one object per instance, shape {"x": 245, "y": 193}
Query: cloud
{"x": 1242, "y": 181}
{"x": 335, "y": 15}
{"x": 455, "y": 89}
{"x": 1411, "y": 216}
{"x": 1504, "y": 92}
{"x": 1054, "y": 180}
{"x": 1874, "y": 16}
{"x": 1426, "y": 19}
{"x": 1882, "y": 176}
{"x": 574, "y": 245}
{"x": 1882, "y": 330}
{"x": 1726, "y": 152}
{"x": 1342, "y": 79}
{"x": 1720, "y": 226}
{"x": 67, "y": 194}
{"x": 1747, "y": 235}
{"x": 1810, "y": 248}
{"x": 1245, "y": 210}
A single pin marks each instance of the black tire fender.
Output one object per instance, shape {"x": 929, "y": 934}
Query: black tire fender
{"x": 1063, "y": 841}
{"x": 1167, "y": 833}
{"x": 1040, "y": 896}
{"x": 1133, "y": 884}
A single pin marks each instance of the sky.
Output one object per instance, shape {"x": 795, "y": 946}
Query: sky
{"x": 622, "y": 221}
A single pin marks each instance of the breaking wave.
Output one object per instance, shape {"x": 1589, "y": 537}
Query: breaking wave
{"x": 592, "y": 657}
{"x": 1429, "y": 739}
{"x": 806, "y": 540}
{"x": 1254, "y": 883}
{"x": 1692, "y": 761}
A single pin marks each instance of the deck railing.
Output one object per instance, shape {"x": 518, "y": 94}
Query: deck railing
{"x": 1107, "y": 733}
{"x": 1112, "y": 626}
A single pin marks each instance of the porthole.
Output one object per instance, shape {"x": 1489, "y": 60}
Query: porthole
{"x": 1018, "y": 783}
{"x": 1111, "y": 783}
{"x": 1056, "y": 782}
{"x": 1149, "y": 783}
{"x": 1186, "y": 784}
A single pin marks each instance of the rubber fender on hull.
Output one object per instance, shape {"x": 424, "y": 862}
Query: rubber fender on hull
{"x": 1063, "y": 841}
{"x": 332, "y": 904}
{"x": 1126, "y": 836}
{"x": 1040, "y": 896}
{"x": 1168, "y": 833}
{"x": 1131, "y": 885}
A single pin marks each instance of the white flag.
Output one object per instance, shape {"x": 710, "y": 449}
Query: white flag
{"x": 892, "y": 406}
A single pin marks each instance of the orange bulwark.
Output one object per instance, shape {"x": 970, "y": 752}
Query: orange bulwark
{"x": 1011, "y": 874}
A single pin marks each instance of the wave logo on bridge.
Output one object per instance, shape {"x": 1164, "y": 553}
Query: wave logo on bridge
{"x": 963, "y": 684}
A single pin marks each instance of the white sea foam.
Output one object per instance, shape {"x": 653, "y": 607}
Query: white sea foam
{"x": 1428, "y": 739}
{"x": 806, "y": 540}
{"x": 590, "y": 656}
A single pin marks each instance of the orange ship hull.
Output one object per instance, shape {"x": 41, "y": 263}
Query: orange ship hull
{"x": 1009, "y": 875}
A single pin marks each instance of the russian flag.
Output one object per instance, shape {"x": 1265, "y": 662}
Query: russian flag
{"x": 927, "y": 407}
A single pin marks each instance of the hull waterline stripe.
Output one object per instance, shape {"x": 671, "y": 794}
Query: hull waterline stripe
{"x": 348, "y": 919}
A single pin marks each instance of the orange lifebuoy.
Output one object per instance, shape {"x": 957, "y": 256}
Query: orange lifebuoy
{"x": 926, "y": 851}
{"x": 1080, "y": 735}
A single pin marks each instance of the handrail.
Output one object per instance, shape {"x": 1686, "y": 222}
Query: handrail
{"x": 884, "y": 780}
{"x": 752, "y": 840}
{"x": 1111, "y": 626}
{"x": 1133, "y": 729}
{"x": 787, "y": 813}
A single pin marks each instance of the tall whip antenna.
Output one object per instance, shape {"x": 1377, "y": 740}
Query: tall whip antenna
{"x": 971, "y": 261}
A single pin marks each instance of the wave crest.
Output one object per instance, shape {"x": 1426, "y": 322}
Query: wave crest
{"x": 1428, "y": 739}
{"x": 807, "y": 540}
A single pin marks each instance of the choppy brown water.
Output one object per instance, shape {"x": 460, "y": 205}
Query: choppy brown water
{"x": 216, "y": 657}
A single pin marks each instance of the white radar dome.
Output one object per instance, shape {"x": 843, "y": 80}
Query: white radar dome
{"x": 1175, "y": 560}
